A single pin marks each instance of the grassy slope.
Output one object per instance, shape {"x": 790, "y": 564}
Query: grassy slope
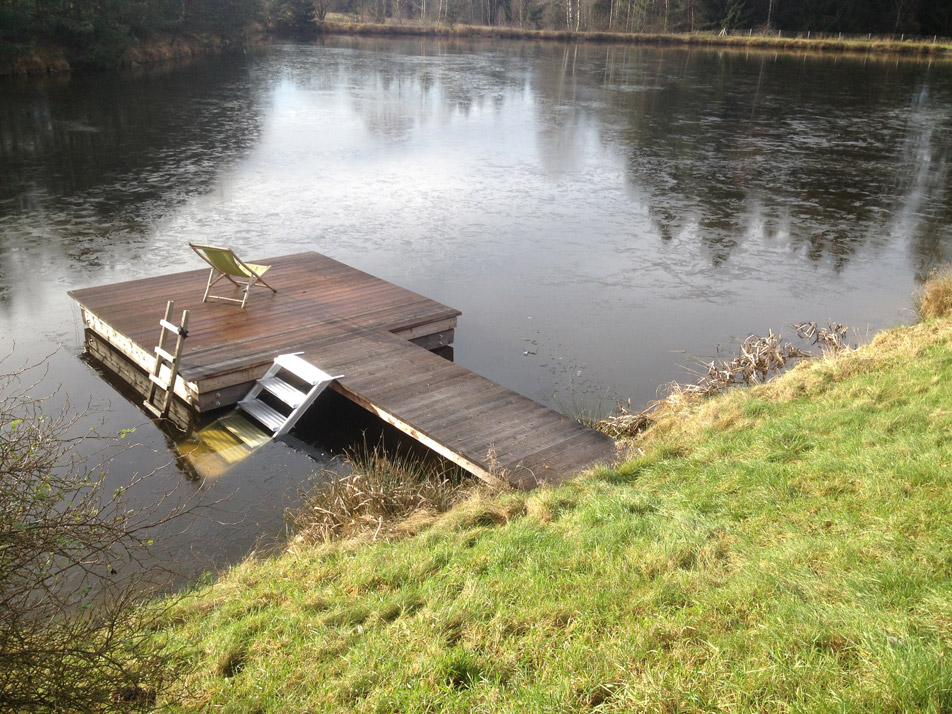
{"x": 785, "y": 548}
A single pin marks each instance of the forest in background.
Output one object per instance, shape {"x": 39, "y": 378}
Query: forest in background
{"x": 98, "y": 32}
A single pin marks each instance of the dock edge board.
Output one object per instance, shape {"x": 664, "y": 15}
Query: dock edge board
{"x": 132, "y": 376}
{"x": 472, "y": 467}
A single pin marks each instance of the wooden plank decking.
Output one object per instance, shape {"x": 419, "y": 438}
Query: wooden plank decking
{"x": 351, "y": 323}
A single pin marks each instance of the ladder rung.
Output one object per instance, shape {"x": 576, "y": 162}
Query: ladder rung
{"x": 152, "y": 408}
{"x": 164, "y": 355}
{"x": 267, "y": 415}
{"x": 287, "y": 393}
{"x": 167, "y": 363}
{"x": 159, "y": 381}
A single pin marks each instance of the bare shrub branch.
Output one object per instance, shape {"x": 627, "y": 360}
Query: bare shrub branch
{"x": 71, "y": 561}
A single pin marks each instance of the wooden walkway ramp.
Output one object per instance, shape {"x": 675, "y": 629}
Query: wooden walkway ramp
{"x": 344, "y": 322}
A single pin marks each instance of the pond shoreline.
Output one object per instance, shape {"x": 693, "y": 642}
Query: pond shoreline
{"x": 160, "y": 48}
{"x": 918, "y": 46}
{"x": 47, "y": 59}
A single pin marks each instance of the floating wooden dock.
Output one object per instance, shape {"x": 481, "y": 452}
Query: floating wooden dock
{"x": 378, "y": 335}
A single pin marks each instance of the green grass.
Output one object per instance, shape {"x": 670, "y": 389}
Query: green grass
{"x": 785, "y": 548}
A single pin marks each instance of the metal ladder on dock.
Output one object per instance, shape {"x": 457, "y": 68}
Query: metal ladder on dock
{"x": 296, "y": 399}
{"x": 166, "y": 363}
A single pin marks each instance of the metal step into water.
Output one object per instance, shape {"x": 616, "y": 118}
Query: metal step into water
{"x": 242, "y": 429}
{"x": 233, "y": 437}
{"x": 277, "y": 382}
{"x": 213, "y": 450}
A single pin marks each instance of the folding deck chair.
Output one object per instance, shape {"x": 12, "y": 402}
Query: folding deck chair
{"x": 225, "y": 264}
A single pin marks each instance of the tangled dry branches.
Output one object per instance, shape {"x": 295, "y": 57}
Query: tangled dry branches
{"x": 71, "y": 639}
{"x": 758, "y": 359}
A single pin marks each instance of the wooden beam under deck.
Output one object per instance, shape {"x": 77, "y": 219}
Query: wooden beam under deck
{"x": 351, "y": 323}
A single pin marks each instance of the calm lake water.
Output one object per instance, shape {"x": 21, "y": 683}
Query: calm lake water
{"x": 599, "y": 214}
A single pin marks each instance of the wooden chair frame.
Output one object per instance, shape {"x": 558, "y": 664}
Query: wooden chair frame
{"x": 225, "y": 264}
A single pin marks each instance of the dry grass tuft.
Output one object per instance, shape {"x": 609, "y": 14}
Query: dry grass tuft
{"x": 934, "y": 300}
{"x": 481, "y": 508}
{"x": 384, "y": 496}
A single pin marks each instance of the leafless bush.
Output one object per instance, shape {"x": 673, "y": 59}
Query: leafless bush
{"x": 381, "y": 490}
{"x": 71, "y": 639}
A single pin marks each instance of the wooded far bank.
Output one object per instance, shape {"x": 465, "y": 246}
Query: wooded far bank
{"x": 102, "y": 33}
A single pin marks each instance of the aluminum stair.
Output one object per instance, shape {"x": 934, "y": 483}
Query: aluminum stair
{"x": 287, "y": 402}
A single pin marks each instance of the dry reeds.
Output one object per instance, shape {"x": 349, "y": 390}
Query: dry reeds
{"x": 694, "y": 39}
{"x": 831, "y": 339}
{"x": 757, "y": 360}
{"x": 934, "y": 300}
{"x": 381, "y": 491}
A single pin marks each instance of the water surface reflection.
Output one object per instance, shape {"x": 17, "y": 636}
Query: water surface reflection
{"x": 594, "y": 211}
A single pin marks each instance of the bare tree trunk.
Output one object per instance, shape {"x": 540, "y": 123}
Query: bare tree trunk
{"x": 901, "y": 6}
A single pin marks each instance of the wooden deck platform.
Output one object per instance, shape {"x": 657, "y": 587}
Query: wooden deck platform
{"x": 346, "y": 322}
